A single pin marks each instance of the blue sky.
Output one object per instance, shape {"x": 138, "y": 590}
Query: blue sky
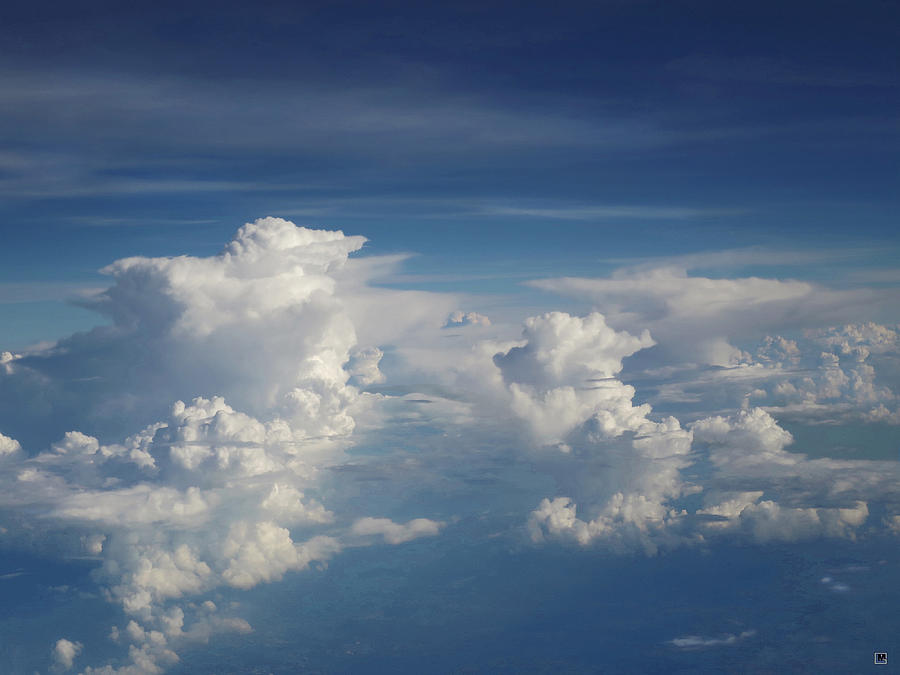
{"x": 464, "y": 133}
{"x": 383, "y": 337}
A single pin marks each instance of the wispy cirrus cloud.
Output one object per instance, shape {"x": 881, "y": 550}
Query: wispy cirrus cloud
{"x": 607, "y": 212}
{"x": 751, "y": 256}
{"x": 107, "y": 131}
{"x": 40, "y": 291}
{"x": 775, "y": 71}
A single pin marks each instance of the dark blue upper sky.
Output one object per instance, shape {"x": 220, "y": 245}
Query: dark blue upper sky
{"x": 478, "y": 134}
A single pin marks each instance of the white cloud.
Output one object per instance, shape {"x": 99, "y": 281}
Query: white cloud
{"x": 784, "y": 497}
{"x": 767, "y": 520}
{"x": 259, "y": 324}
{"x": 396, "y": 533}
{"x": 748, "y": 438}
{"x": 700, "y": 641}
{"x": 880, "y": 413}
{"x": 260, "y": 343}
{"x": 846, "y": 373}
{"x": 696, "y": 319}
{"x": 562, "y": 349}
{"x": 64, "y": 653}
{"x": 363, "y": 366}
{"x": 137, "y": 505}
{"x": 840, "y": 367}
{"x": 806, "y": 498}
{"x": 264, "y": 552}
{"x": 624, "y": 523}
{"x": 624, "y": 465}
{"x": 203, "y": 440}
{"x": 563, "y": 374}
{"x": 9, "y": 446}
{"x": 460, "y": 318}
{"x": 287, "y": 506}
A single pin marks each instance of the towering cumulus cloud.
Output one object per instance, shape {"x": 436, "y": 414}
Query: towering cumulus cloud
{"x": 563, "y": 374}
{"x": 562, "y": 383}
{"x": 205, "y": 412}
{"x": 258, "y": 324}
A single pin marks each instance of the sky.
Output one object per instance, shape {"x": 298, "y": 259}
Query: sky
{"x": 449, "y": 337}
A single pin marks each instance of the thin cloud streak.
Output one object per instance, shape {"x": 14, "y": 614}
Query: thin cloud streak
{"x": 746, "y": 257}
{"x": 610, "y": 212}
{"x": 42, "y": 291}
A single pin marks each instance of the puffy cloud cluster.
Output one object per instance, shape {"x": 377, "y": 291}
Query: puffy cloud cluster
{"x": 768, "y": 520}
{"x": 624, "y": 467}
{"x": 807, "y": 498}
{"x": 259, "y": 324}
{"x": 201, "y": 500}
{"x": 843, "y": 354}
{"x": 848, "y": 374}
{"x": 211, "y": 492}
{"x": 705, "y": 329}
{"x": 792, "y": 497}
{"x": 626, "y": 522}
{"x": 561, "y": 382}
{"x": 863, "y": 338}
{"x": 846, "y": 370}
{"x": 201, "y": 439}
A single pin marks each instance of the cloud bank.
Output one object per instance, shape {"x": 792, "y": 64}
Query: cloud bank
{"x": 222, "y": 431}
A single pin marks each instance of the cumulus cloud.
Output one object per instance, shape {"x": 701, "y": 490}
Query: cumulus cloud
{"x": 564, "y": 372}
{"x": 208, "y": 437}
{"x": 626, "y": 522}
{"x": 560, "y": 349}
{"x": 561, "y": 381}
{"x": 64, "y": 653}
{"x": 843, "y": 369}
{"x": 843, "y": 373}
{"x": 747, "y": 439}
{"x": 825, "y": 497}
{"x": 213, "y": 402}
{"x": 880, "y": 413}
{"x": 258, "y": 324}
{"x": 767, "y": 520}
{"x": 791, "y": 497}
{"x": 264, "y": 552}
{"x": 396, "y": 533}
{"x": 8, "y": 445}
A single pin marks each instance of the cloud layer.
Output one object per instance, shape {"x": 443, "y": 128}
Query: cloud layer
{"x": 224, "y": 430}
